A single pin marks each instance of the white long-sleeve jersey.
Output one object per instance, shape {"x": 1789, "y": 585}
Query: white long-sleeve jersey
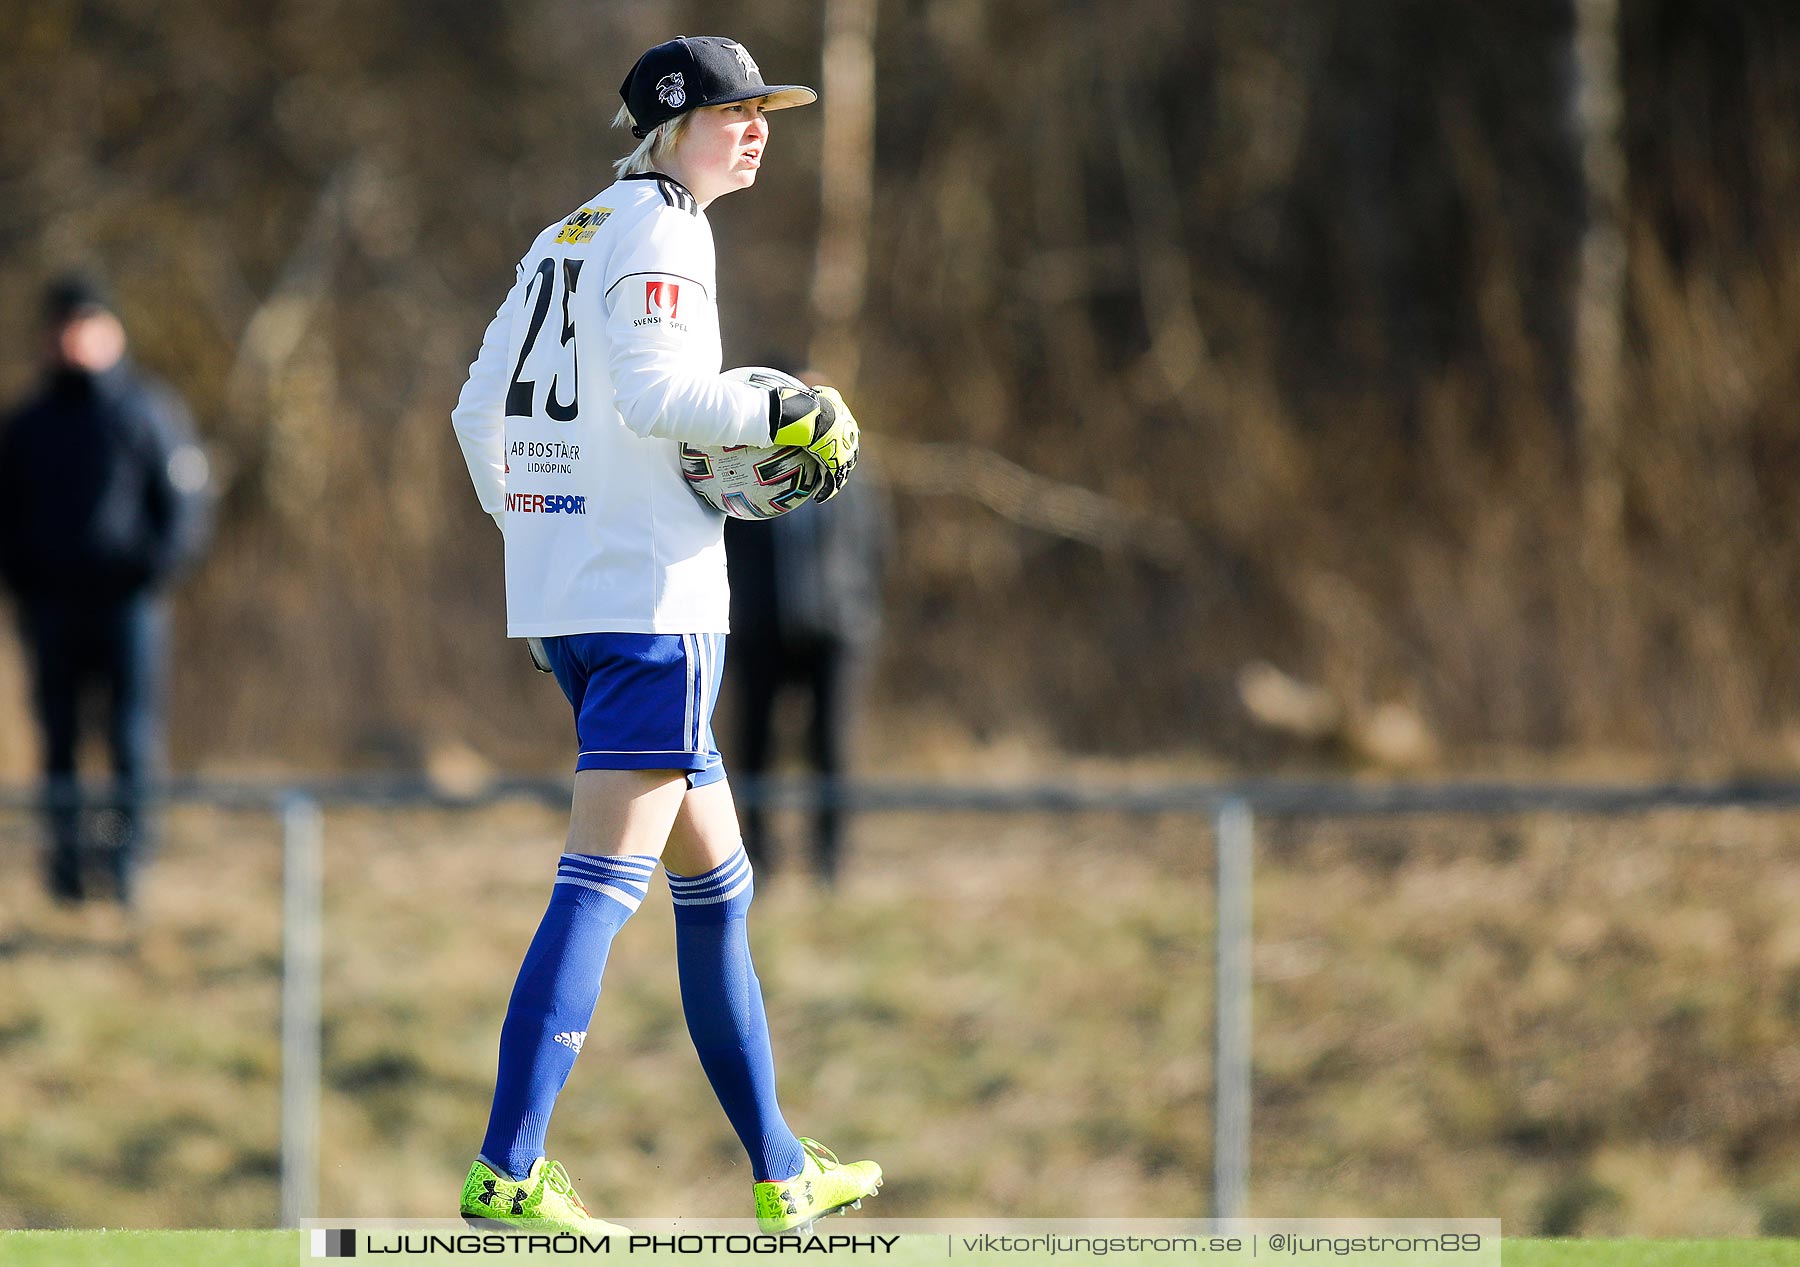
{"x": 603, "y": 358}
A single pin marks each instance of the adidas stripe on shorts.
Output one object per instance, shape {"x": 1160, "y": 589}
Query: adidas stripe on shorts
{"x": 643, "y": 701}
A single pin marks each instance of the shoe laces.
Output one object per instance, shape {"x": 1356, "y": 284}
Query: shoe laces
{"x": 556, "y": 1179}
{"x": 821, "y": 1154}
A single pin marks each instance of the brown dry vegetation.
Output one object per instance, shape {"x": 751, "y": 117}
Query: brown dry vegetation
{"x": 1294, "y": 275}
{"x": 919, "y": 1014}
{"x": 1577, "y": 1025}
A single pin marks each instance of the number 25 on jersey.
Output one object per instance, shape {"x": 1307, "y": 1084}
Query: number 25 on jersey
{"x": 560, "y": 403}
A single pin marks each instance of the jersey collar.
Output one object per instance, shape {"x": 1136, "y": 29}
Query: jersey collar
{"x": 660, "y": 176}
{"x": 674, "y": 192}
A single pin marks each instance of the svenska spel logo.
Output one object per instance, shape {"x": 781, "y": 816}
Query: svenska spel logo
{"x": 661, "y": 298}
{"x": 334, "y": 1242}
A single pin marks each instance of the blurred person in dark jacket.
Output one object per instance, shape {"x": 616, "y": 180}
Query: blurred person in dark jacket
{"x": 805, "y": 618}
{"x": 102, "y": 502}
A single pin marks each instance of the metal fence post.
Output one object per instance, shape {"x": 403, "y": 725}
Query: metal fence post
{"x": 302, "y": 871}
{"x": 1234, "y": 832}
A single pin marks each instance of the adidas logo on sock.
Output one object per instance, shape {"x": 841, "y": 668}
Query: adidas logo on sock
{"x": 572, "y": 1039}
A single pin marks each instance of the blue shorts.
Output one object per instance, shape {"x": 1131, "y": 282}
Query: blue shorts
{"x": 643, "y": 701}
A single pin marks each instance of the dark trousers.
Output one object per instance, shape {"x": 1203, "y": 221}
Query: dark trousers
{"x": 111, "y": 650}
{"x": 823, "y": 672}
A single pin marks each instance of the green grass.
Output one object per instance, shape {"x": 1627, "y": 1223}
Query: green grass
{"x": 150, "y": 1249}
{"x": 266, "y": 1249}
{"x": 1627, "y": 1253}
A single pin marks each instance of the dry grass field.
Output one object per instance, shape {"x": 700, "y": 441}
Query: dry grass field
{"x": 1581, "y": 1026}
{"x": 1004, "y": 1012}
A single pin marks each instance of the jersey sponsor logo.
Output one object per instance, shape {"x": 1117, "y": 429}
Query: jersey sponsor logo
{"x": 580, "y": 227}
{"x": 671, "y": 90}
{"x": 743, "y": 55}
{"x": 546, "y": 449}
{"x": 546, "y": 504}
{"x": 541, "y": 458}
{"x": 661, "y": 298}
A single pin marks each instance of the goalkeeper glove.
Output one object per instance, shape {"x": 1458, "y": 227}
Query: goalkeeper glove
{"x": 817, "y": 420}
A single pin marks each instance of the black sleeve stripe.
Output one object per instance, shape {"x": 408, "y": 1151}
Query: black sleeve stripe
{"x": 657, "y": 272}
{"x": 675, "y": 196}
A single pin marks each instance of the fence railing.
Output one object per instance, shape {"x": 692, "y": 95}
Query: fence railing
{"x": 1231, "y": 807}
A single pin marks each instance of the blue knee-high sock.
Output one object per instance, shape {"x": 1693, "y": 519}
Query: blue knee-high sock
{"x": 554, "y": 997}
{"x": 724, "y": 1005}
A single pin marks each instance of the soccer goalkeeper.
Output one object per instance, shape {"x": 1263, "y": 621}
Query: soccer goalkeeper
{"x": 603, "y": 358}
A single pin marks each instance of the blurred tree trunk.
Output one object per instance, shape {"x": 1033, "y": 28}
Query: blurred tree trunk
{"x": 1600, "y": 652}
{"x": 1598, "y": 102}
{"x": 847, "y": 183}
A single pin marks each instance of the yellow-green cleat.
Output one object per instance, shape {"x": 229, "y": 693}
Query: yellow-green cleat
{"x": 824, "y": 1186}
{"x": 544, "y": 1199}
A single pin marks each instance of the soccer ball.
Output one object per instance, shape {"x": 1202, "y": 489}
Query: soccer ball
{"x": 747, "y": 482}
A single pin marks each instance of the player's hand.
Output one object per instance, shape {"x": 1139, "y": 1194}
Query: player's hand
{"x": 818, "y": 420}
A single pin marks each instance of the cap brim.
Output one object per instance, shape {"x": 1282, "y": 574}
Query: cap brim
{"x": 773, "y": 96}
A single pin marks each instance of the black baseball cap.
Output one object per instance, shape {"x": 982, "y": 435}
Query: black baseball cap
{"x": 73, "y": 295}
{"x": 691, "y": 71}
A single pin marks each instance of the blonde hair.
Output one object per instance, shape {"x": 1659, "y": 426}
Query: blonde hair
{"x": 653, "y": 148}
